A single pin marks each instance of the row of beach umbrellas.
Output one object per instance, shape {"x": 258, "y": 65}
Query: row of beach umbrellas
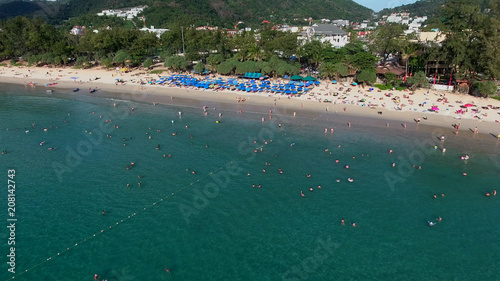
{"x": 292, "y": 87}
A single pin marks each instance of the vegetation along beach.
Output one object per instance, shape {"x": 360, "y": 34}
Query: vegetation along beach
{"x": 218, "y": 142}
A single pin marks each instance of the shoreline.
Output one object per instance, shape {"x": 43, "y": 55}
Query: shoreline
{"x": 344, "y": 107}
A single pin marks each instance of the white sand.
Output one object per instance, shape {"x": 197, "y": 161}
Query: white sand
{"x": 408, "y": 107}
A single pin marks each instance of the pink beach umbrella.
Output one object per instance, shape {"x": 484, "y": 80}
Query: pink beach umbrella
{"x": 435, "y": 108}
{"x": 468, "y": 105}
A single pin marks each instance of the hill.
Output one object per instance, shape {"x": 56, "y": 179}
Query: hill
{"x": 197, "y": 12}
{"x": 42, "y": 9}
{"x": 428, "y": 8}
{"x": 228, "y": 12}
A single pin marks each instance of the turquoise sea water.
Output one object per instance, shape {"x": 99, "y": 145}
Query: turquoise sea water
{"x": 213, "y": 225}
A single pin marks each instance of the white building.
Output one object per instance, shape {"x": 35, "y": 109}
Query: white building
{"x": 158, "y": 31}
{"x": 402, "y": 18}
{"x": 340, "y": 22}
{"x": 77, "y": 30}
{"x": 128, "y": 13}
{"x": 324, "y": 33}
{"x": 394, "y": 18}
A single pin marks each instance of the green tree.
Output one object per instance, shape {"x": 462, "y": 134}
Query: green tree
{"x": 485, "y": 88}
{"x": 464, "y": 37}
{"x": 362, "y": 60}
{"x": 367, "y": 77}
{"x": 121, "y": 57}
{"x": 214, "y": 60}
{"x": 387, "y": 39}
{"x": 176, "y": 63}
{"x": 389, "y": 77}
{"x": 148, "y": 63}
{"x": 199, "y": 67}
{"x": 417, "y": 80}
{"x": 226, "y": 67}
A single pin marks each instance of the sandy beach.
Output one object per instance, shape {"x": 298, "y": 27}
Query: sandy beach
{"x": 409, "y": 108}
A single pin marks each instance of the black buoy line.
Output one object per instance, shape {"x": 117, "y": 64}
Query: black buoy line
{"x": 164, "y": 198}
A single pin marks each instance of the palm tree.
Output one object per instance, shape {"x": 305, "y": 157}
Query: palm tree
{"x": 409, "y": 51}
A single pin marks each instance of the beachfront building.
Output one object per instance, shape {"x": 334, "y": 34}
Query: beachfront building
{"x": 324, "y": 33}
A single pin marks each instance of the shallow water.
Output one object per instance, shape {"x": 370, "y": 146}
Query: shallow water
{"x": 212, "y": 225}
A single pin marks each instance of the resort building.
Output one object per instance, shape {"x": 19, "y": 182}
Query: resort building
{"x": 324, "y": 33}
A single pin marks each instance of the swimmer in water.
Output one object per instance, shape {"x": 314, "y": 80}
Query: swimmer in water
{"x": 342, "y": 221}
{"x": 103, "y": 213}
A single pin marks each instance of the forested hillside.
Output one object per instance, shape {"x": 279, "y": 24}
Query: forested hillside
{"x": 425, "y": 7}
{"x": 214, "y": 12}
